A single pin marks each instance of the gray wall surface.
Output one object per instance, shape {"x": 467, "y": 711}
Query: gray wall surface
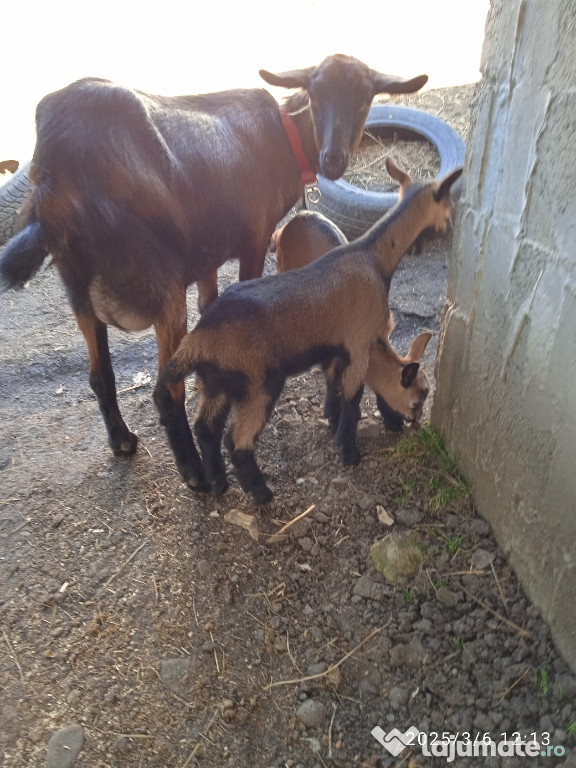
{"x": 506, "y": 364}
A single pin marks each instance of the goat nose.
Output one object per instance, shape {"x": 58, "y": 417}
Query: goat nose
{"x": 333, "y": 164}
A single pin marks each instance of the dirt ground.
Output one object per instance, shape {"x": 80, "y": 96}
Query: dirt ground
{"x": 143, "y": 626}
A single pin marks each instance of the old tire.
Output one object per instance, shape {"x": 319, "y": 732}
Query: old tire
{"x": 12, "y": 195}
{"x": 354, "y": 209}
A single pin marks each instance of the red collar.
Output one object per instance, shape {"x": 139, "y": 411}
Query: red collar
{"x": 306, "y": 173}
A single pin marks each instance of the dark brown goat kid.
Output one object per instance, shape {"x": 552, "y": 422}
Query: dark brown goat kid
{"x": 331, "y": 312}
{"x": 136, "y": 196}
{"x": 306, "y": 237}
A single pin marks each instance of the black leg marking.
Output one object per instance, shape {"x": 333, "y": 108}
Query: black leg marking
{"x": 173, "y": 418}
{"x": 346, "y": 434}
{"x": 250, "y": 477}
{"x": 103, "y": 384}
{"x": 393, "y": 421}
{"x": 209, "y": 437}
{"x": 333, "y": 404}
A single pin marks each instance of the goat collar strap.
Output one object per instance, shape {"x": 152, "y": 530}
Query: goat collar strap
{"x": 306, "y": 173}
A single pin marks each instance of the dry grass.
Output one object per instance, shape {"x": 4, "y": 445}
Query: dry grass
{"x": 416, "y": 155}
{"x": 368, "y": 166}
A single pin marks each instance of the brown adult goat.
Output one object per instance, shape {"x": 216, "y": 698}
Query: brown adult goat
{"x": 136, "y": 196}
{"x": 332, "y": 311}
{"x": 306, "y": 237}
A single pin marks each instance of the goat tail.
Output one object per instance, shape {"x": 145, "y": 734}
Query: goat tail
{"x": 22, "y": 257}
{"x": 182, "y": 363}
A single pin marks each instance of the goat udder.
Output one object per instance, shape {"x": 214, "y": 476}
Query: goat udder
{"x": 113, "y": 312}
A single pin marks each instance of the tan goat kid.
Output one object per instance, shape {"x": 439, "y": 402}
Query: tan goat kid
{"x": 306, "y": 237}
{"x": 331, "y": 312}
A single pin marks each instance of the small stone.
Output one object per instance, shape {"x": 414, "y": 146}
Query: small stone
{"x": 480, "y": 527}
{"x": 311, "y": 713}
{"x": 424, "y": 626}
{"x": 383, "y": 515}
{"x": 483, "y": 722}
{"x": 177, "y": 674}
{"x": 397, "y": 697}
{"x": 281, "y": 643}
{"x": 35, "y": 735}
{"x": 306, "y": 543}
{"x": 396, "y": 556}
{"x": 363, "y": 587}
{"x": 121, "y": 745}
{"x": 64, "y": 747}
{"x": 203, "y": 568}
{"x": 411, "y": 655}
{"x": 546, "y": 724}
{"x": 409, "y": 516}
{"x": 481, "y": 559}
{"x": 73, "y": 697}
{"x": 447, "y": 597}
{"x": 364, "y": 501}
{"x": 370, "y": 684}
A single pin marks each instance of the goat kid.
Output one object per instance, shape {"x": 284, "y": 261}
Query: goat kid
{"x": 331, "y": 312}
{"x": 303, "y": 239}
{"x": 136, "y": 196}
{"x": 306, "y": 237}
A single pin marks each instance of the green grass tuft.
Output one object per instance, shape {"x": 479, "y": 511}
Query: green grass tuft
{"x": 428, "y": 469}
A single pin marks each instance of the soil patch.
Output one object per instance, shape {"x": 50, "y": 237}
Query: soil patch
{"x": 144, "y": 625}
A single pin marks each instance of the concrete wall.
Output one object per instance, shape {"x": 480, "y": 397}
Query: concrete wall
{"x": 506, "y": 365}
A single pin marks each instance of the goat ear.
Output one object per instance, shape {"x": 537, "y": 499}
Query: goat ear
{"x": 418, "y": 346}
{"x": 296, "y": 78}
{"x": 403, "y": 178}
{"x": 445, "y": 185}
{"x": 392, "y": 84}
{"x": 409, "y": 373}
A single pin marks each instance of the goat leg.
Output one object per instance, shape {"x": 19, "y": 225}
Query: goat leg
{"x": 250, "y": 477}
{"x": 173, "y": 418}
{"x": 333, "y": 404}
{"x": 209, "y": 428}
{"x": 103, "y": 384}
{"x": 346, "y": 432}
{"x": 207, "y": 291}
{"x": 249, "y": 418}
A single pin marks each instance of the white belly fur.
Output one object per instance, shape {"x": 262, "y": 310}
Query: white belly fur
{"x": 112, "y": 312}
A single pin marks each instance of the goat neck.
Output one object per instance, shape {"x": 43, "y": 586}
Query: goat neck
{"x": 297, "y": 109}
{"x": 393, "y": 235}
{"x": 307, "y": 175}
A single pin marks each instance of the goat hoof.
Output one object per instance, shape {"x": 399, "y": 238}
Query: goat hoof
{"x": 351, "y": 457}
{"x": 127, "y": 446}
{"x": 193, "y": 478}
{"x": 262, "y": 496}
{"x": 197, "y": 484}
{"x": 219, "y": 487}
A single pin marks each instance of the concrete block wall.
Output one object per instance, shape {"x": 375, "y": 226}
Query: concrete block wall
{"x": 506, "y": 363}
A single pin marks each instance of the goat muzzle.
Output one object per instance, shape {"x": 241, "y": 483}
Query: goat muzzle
{"x": 333, "y": 164}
